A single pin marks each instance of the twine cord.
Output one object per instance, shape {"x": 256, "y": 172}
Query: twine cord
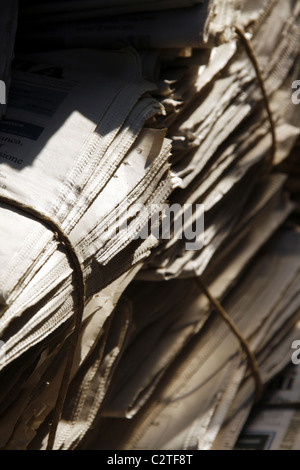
{"x": 243, "y": 342}
{"x": 251, "y": 54}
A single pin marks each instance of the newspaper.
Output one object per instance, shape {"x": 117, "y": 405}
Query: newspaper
{"x": 39, "y": 92}
{"x": 116, "y": 146}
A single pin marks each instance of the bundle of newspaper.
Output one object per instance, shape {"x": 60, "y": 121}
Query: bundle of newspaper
{"x": 205, "y": 396}
{"x": 86, "y": 169}
{"x": 75, "y": 153}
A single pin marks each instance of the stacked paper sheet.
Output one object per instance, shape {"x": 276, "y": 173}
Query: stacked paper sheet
{"x": 155, "y": 159}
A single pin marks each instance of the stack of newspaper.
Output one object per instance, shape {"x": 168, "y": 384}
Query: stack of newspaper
{"x": 120, "y": 169}
{"x": 76, "y": 150}
{"x": 203, "y": 399}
